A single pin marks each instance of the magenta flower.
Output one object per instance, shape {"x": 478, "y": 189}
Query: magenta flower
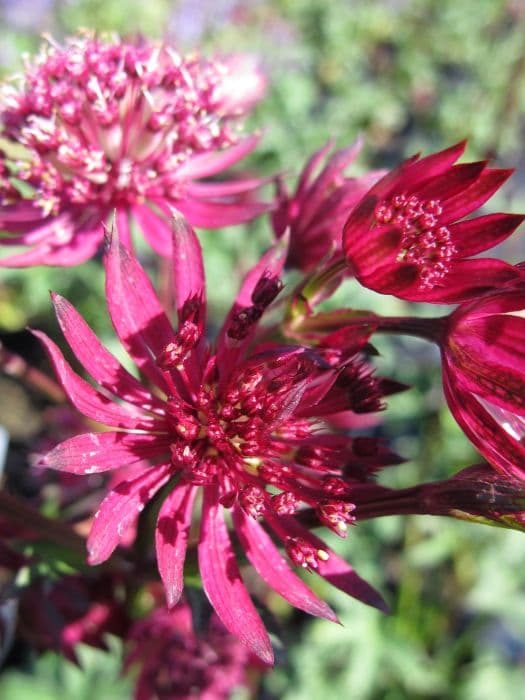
{"x": 408, "y": 236}
{"x": 131, "y": 127}
{"x": 176, "y": 663}
{"x": 243, "y": 424}
{"x": 316, "y": 212}
{"x": 484, "y": 376}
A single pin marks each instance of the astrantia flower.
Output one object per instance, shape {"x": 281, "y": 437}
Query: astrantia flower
{"x": 243, "y": 424}
{"x": 316, "y": 212}
{"x": 483, "y": 352}
{"x": 408, "y": 236}
{"x": 175, "y": 663}
{"x": 108, "y": 125}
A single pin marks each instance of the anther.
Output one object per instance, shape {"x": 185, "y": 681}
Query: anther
{"x": 304, "y": 554}
{"x": 336, "y": 515}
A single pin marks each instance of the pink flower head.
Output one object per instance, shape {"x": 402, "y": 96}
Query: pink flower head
{"x": 176, "y": 663}
{"x": 316, "y": 212}
{"x": 243, "y": 423}
{"x": 408, "y": 236}
{"x": 484, "y": 376}
{"x": 131, "y": 127}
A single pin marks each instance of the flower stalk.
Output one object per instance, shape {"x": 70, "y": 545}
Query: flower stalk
{"x": 15, "y": 366}
{"x": 19, "y": 511}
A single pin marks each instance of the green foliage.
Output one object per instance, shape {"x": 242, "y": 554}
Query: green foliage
{"x": 98, "y": 675}
{"x": 27, "y": 299}
{"x": 439, "y": 637}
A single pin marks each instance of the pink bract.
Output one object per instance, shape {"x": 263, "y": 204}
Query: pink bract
{"x": 408, "y": 236}
{"x": 315, "y": 213}
{"x": 484, "y": 376}
{"x": 243, "y": 423}
{"x": 97, "y": 126}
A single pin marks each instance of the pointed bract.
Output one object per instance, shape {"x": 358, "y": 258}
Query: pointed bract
{"x": 223, "y": 584}
{"x": 484, "y": 375}
{"x": 171, "y": 538}
{"x": 120, "y": 509}
{"x": 273, "y": 568}
{"x": 314, "y": 215}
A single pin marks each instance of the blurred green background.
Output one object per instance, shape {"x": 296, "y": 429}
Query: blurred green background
{"x": 408, "y": 76}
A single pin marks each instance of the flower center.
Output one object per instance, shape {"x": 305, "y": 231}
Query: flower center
{"x": 228, "y": 439}
{"x": 245, "y": 439}
{"x": 425, "y": 242}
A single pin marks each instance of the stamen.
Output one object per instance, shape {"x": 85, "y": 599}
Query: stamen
{"x": 252, "y": 500}
{"x": 284, "y": 503}
{"x": 243, "y": 321}
{"x": 188, "y": 335}
{"x": 424, "y": 242}
{"x": 252, "y": 464}
{"x": 303, "y": 554}
{"x": 335, "y": 486}
{"x": 266, "y": 289}
{"x": 336, "y": 515}
{"x": 362, "y": 388}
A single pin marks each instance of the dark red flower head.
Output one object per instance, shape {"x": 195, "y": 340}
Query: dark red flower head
{"x": 315, "y": 213}
{"x": 61, "y": 614}
{"x": 408, "y": 236}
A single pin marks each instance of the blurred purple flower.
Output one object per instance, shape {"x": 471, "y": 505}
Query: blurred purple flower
{"x": 175, "y": 663}
{"x": 191, "y": 20}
